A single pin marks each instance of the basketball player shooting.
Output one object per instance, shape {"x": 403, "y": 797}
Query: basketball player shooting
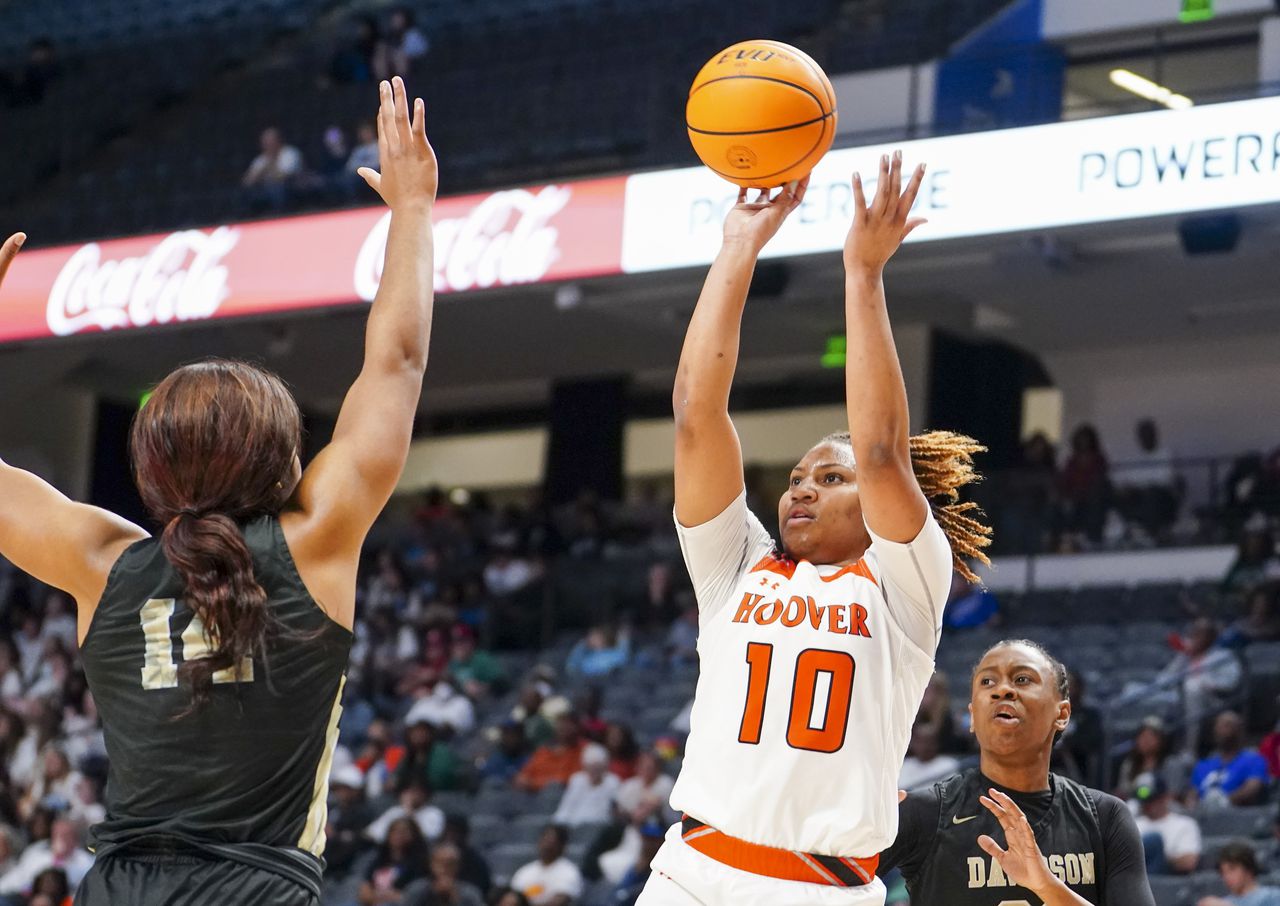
{"x": 1063, "y": 843}
{"x": 217, "y": 652}
{"x": 814, "y": 653}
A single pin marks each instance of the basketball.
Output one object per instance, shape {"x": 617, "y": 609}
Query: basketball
{"x": 761, "y": 113}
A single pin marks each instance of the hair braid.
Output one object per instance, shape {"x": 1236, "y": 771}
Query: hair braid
{"x": 943, "y": 464}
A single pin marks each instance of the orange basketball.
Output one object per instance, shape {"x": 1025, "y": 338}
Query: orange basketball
{"x": 761, "y": 113}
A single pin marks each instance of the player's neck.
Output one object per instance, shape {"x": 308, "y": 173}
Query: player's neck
{"x": 1030, "y": 776}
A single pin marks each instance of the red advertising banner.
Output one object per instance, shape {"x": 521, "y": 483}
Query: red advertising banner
{"x": 505, "y": 238}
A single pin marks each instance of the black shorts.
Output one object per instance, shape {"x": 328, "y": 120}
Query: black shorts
{"x": 168, "y": 879}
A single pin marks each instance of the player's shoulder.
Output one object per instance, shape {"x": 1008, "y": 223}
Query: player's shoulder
{"x": 1110, "y": 809}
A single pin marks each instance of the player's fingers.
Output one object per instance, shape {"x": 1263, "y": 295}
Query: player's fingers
{"x": 1008, "y": 803}
{"x": 895, "y": 180}
{"x": 908, "y": 199}
{"x": 859, "y": 197}
{"x": 372, "y": 177}
{"x": 763, "y": 197}
{"x": 996, "y": 809}
{"x": 911, "y": 225}
{"x": 902, "y": 795}
{"x": 401, "y": 110}
{"x": 9, "y": 251}
{"x": 742, "y": 195}
{"x": 802, "y": 187}
{"x": 418, "y": 125}
{"x": 881, "y": 202}
{"x": 991, "y": 847}
{"x": 386, "y": 128}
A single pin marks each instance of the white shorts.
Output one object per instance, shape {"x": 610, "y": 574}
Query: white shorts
{"x": 682, "y": 876}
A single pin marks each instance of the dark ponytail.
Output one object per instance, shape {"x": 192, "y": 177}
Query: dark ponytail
{"x": 214, "y": 447}
{"x": 210, "y": 554}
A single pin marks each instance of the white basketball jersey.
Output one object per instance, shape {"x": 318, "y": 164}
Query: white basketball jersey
{"x": 809, "y": 683}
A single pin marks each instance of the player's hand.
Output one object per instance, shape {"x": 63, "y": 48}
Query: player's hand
{"x": 9, "y": 251}
{"x": 754, "y": 223}
{"x": 1022, "y": 862}
{"x": 409, "y": 174}
{"x": 879, "y": 228}
{"x": 902, "y": 796}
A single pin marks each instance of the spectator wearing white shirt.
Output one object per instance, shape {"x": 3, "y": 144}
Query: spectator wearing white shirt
{"x": 649, "y": 782}
{"x": 415, "y": 803}
{"x": 923, "y": 765}
{"x": 444, "y": 708}
{"x": 506, "y": 573}
{"x": 1209, "y": 676}
{"x": 1171, "y": 840}
{"x": 271, "y": 177}
{"x": 59, "y": 620}
{"x": 551, "y": 879}
{"x": 588, "y": 797}
{"x": 62, "y": 850}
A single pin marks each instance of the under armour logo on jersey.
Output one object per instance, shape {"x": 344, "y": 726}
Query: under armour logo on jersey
{"x": 765, "y": 583}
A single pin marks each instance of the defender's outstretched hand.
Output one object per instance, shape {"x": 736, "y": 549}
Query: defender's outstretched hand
{"x": 409, "y": 173}
{"x": 755, "y": 222}
{"x": 9, "y": 251}
{"x": 879, "y": 228}
{"x": 1022, "y": 862}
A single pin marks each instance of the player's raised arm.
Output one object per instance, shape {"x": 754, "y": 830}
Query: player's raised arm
{"x": 892, "y": 503}
{"x": 62, "y": 543}
{"x": 349, "y": 482}
{"x": 708, "y": 467}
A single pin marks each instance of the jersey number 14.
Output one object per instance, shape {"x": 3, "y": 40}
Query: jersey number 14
{"x": 158, "y": 668}
{"x": 815, "y": 729}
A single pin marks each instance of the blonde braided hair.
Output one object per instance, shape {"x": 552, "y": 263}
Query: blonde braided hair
{"x": 943, "y": 463}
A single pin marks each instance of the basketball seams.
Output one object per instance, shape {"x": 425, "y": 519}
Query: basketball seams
{"x": 813, "y": 67}
{"x": 734, "y": 177}
{"x": 823, "y": 111}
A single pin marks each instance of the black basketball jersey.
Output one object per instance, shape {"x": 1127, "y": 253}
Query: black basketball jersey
{"x": 1088, "y": 838}
{"x": 251, "y": 768}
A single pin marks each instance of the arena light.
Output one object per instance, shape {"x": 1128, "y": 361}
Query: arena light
{"x": 1152, "y": 91}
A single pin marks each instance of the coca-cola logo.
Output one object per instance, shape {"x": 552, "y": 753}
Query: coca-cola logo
{"x": 505, "y": 240}
{"x": 181, "y": 278}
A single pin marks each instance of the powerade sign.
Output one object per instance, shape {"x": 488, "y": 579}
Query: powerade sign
{"x": 1217, "y": 157}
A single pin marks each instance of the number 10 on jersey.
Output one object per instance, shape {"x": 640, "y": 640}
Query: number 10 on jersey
{"x": 809, "y": 726}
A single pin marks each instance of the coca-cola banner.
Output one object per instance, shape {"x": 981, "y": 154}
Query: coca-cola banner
{"x": 505, "y": 238}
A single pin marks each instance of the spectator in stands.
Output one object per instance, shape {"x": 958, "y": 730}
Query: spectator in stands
{"x": 401, "y": 860}
{"x": 1025, "y": 511}
{"x": 478, "y": 673}
{"x": 353, "y": 61}
{"x": 1209, "y": 675}
{"x": 330, "y": 174}
{"x": 415, "y": 803}
{"x": 1238, "y": 865}
{"x": 400, "y": 47}
{"x": 1077, "y": 755}
{"x": 1171, "y": 840}
{"x": 10, "y": 678}
{"x": 510, "y": 755}
{"x": 474, "y": 870}
{"x": 649, "y": 782}
{"x": 508, "y": 573}
{"x": 1085, "y": 487}
{"x": 64, "y": 849}
{"x": 537, "y": 726}
{"x": 970, "y": 606}
{"x": 29, "y": 84}
{"x": 1232, "y": 774}
{"x": 923, "y": 764}
{"x": 426, "y": 758}
{"x": 556, "y": 761}
{"x": 624, "y": 751}
{"x": 1152, "y": 753}
{"x": 1261, "y": 622}
{"x": 682, "y": 639}
{"x": 551, "y": 879}
{"x": 935, "y": 711}
{"x": 588, "y": 797}
{"x": 59, "y": 620}
{"x": 628, "y": 889}
{"x": 444, "y": 708}
{"x": 1149, "y": 489}
{"x": 590, "y": 702}
{"x": 273, "y": 175}
{"x": 1256, "y": 560}
{"x": 349, "y": 815}
{"x": 602, "y": 652}
{"x": 445, "y": 886}
{"x": 51, "y": 887}
{"x": 1269, "y": 749}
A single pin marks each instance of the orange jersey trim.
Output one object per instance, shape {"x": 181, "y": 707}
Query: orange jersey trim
{"x": 783, "y": 864}
{"x": 786, "y": 568}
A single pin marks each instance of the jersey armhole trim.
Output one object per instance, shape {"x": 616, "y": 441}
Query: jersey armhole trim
{"x": 111, "y": 578}
{"x": 277, "y": 531}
